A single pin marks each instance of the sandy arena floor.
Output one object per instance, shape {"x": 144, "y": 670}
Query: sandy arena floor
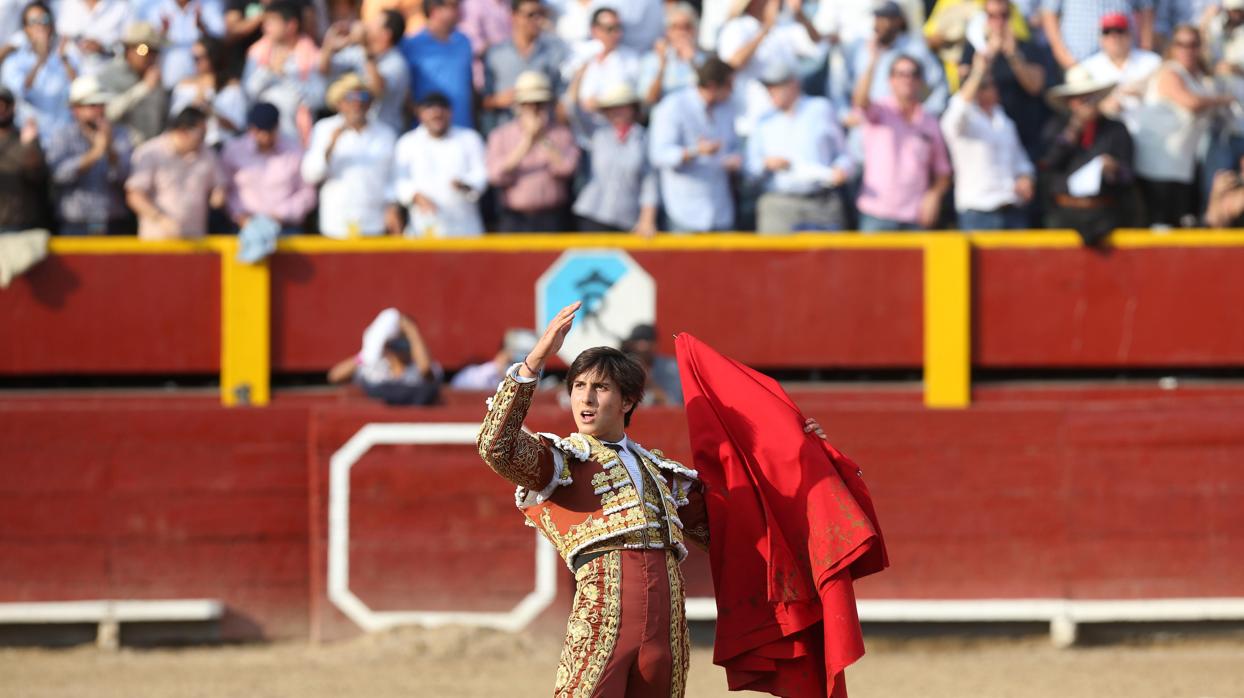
{"x": 457, "y": 663}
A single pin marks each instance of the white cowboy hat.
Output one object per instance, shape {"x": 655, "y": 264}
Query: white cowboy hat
{"x": 86, "y": 90}
{"x": 1078, "y": 82}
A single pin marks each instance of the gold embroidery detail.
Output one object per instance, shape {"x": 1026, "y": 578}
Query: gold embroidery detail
{"x": 617, "y": 500}
{"x": 680, "y": 642}
{"x": 610, "y": 478}
{"x": 505, "y": 447}
{"x": 592, "y": 630}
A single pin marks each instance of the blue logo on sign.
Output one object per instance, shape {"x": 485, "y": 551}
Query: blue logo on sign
{"x": 585, "y": 277}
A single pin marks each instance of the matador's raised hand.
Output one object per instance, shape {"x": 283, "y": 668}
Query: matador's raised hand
{"x": 551, "y": 342}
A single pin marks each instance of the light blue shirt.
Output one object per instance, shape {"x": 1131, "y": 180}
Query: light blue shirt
{"x": 696, "y": 194}
{"x": 622, "y": 180}
{"x": 841, "y": 86}
{"x": 808, "y": 137}
{"x": 47, "y": 100}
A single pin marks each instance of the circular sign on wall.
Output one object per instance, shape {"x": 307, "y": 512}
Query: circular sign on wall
{"x": 616, "y": 292}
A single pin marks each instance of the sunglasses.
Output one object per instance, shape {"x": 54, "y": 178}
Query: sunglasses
{"x": 532, "y": 14}
{"x": 685, "y": 26}
{"x": 610, "y": 28}
{"x": 39, "y": 20}
{"x": 358, "y": 96}
{"x": 1186, "y": 44}
{"x": 1114, "y": 31}
{"x": 999, "y": 15}
{"x": 904, "y": 74}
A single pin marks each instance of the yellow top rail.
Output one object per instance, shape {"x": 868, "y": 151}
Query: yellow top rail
{"x": 245, "y": 288}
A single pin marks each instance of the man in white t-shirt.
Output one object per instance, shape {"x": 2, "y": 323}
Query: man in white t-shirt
{"x": 1121, "y": 62}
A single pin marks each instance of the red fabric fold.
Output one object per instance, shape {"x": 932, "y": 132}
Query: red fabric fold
{"x": 791, "y": 524}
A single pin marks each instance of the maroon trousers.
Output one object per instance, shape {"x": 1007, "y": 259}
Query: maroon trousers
{"x": 627, "y": 633}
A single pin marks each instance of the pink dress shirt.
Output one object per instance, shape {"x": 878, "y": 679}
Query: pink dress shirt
{"x": 268, "y": 184}
{"x": 901, "y": 159}
{"x": 537, "y": 184}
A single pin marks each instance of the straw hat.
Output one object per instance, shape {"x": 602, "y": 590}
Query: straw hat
{"x": 344, "y": 85}
{"x": 1078, "y": 82}
{"x": 620, "y": 95}
{"x": 85, "y": 90}
{"x": 532, "y": 86}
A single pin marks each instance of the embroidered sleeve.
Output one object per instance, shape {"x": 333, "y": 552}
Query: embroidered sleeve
{"x": 694, "y": 513}
{"x": 512, "y": 453}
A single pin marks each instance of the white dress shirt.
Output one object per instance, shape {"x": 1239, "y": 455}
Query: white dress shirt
{"x": 354, "y": 180}
{"x": 986, "y": 154}
{"x": 429, "y": 166}
{"x": 620, "y": 66}
{"x": 105, "y": 23}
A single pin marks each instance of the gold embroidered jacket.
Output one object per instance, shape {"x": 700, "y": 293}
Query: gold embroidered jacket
{"x": 578, "y": 492}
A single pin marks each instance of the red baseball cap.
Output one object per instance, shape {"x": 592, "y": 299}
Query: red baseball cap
{"x": 1116, "y": 20}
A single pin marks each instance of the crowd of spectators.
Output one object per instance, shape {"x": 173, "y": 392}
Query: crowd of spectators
{"x": 453, "y": 118}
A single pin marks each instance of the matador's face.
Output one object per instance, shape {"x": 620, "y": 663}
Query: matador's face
{"x": 598, "y": 407}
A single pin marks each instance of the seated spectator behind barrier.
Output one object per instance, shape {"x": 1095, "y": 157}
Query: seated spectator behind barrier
{"x": 1179, "y": 104}
{"x": 89, "y": 161}
{"x": 1018, "y": 68}
{"x": 263, "y": 169}
{"x": 1129, "y": 66}
{"x": 183, "y": 23}
{"x": 174, "y": 179}
{"x": 1085, "y": 138}
{"x": 873, "y": 59}
{"x": 799, "y": 155}
{"x": 621, "y": 191}
{"x": 440, "y": 60}
{"x": 39, "y": 73}
{"x": 693, "y": 145}
{"x": 531, "y": 160}
{"x": 139, "y": 101}
{"x": 759, "y": 37}
{"x": 439, "y": 174}
{"x": 663, "y": 387}
{"x": 282, "y": 68}
{"x": 351, "y": 159}
{"x": 530, "y": 47}
{"x": 906, "y": 169}
{"x": 213, "y": 91}
{"x": 370, "y": 49}
{"x": 1226, "y": 199}
{"x": 993, "y": 175}
{"x": 670, "y": 65}
{"x": 603, "y": 62}
{"x": 23, "y": 173}
{"x": 394, "y": 365}
{"x": 515, "y": 347}
{"x": 94, "y": 29}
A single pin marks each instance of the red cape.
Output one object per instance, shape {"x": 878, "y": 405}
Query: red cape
{"x": 791, "y": 524}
